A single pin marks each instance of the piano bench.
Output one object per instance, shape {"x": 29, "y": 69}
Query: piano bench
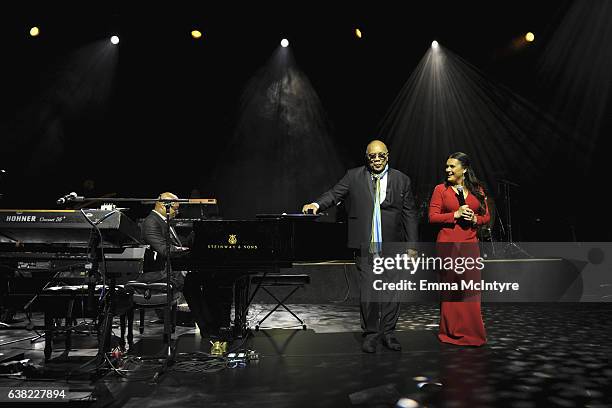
{"x": 149, "y": 296}
{"x": 266, "y": 282}
{"x": 68, "y": 302}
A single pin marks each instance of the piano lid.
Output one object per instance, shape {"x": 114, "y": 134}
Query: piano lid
{"x": 258, "y": 241}
{"x": 275, "y": 240}
{"x": 291, "y": 216}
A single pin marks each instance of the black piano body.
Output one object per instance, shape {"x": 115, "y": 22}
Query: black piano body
{"x": 270, "y": 242}
{"x": 261, "y": 246}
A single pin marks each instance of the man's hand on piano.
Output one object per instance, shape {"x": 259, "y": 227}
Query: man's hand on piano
{"x": 310, "y": 209}
{"x": 179, "y": 252}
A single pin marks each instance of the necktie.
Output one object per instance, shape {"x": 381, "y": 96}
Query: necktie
{"x": 376, "y": 237}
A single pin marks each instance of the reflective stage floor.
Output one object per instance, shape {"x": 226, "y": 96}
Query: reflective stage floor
{"x": 537, "y": 355}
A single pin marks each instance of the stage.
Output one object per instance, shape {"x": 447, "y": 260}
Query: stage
{"x": 537, "y": 355}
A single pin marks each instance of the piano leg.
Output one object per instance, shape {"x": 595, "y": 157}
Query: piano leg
{"x": 142, "y": 317}
{"x": 173, "y": 317}
{"x": 130, "y": 328}
{"x": 241, "y": 305}
{"x": 48, "y": 335}
{"x": 123, "y": 327}
{"x": 68, "y": 342}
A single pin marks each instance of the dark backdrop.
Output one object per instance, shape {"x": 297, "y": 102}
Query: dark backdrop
{"x": 169, "y": 105}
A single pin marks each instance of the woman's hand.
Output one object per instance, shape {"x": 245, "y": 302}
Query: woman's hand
{"x": 464, "y": 212}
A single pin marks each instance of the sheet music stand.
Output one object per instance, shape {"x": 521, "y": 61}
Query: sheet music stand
{"x": 199, "y": 209}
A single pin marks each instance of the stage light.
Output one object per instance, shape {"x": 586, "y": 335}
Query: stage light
{"x": 284, "y": 43}
{"x": 114, "y": 40}
{"x": 406, "y": 403}
{"x": 34, "y": 31}
{"x": 358, "y": 33}
{"x": 434, "y": 44}
{"x": 529, "y": 37}
{"x": 196, "y": 34}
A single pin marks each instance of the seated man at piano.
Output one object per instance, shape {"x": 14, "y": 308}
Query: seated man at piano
{"x": 209, "y": 300}
{"x": 154, "y": 232}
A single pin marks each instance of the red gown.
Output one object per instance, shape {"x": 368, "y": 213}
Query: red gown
{"x": 460, "y": 322}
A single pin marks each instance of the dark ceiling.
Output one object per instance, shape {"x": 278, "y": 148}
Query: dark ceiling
{"x": 168, "y": 88}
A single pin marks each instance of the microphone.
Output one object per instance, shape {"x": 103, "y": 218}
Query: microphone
{"x": 462, "y": 221}
{"x": 66, "y": 198}
{"x": 460, "y": 196}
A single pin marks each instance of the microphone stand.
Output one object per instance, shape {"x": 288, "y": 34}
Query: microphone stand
{"x": 2, "y": 173}
{"x": 511, "y": 247}
{"x": 169, "y": 346}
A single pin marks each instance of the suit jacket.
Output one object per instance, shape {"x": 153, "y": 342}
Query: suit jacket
{"x": 154, "y": 233}
{"x": 398, "y": 212}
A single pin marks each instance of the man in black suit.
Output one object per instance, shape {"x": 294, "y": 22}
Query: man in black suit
{"x": 154, "y": 233}
{"x": 390, "y": 218}
{"x": 209, "y": 298}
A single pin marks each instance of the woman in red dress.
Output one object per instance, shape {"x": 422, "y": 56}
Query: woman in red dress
{"x": 458, "y": 217}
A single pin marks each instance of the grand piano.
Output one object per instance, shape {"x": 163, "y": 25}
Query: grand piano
{"x": 260, "y": 246}
{"x": 42, "y": 243}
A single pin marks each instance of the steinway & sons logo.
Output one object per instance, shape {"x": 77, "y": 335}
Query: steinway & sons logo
{"x": 233, "y": 244}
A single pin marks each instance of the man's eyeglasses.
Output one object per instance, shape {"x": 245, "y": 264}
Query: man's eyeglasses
{"x": 373, "y": 156}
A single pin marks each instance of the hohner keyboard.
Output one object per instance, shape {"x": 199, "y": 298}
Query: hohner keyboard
{"x": 55, "y": 227}
{"x": 38, "y": 246}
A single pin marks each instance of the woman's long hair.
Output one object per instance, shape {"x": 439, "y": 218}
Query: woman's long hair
{"x": 470, "y": 180}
